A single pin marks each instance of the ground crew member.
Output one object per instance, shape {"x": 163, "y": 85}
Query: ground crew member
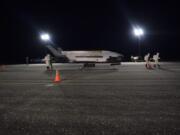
{"x": 48, "y": 62}
{"x": 156, "y": 60}
{"x": 146, "y": 59}
{"x": 27, "y": 60}
{"x": 132, "y": 58}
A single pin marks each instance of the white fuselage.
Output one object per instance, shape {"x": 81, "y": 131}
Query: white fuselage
{"x": 89, "y": 56}
{"x": 86, "y": 56}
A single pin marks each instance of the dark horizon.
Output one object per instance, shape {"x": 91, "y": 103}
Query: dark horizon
{"x": 95, "y": 25}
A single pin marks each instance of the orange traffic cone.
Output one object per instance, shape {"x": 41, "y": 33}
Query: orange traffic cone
{"x": 57, "y": 77}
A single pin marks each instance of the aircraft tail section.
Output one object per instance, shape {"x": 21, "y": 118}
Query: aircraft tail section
{"x": 57, "y": 53}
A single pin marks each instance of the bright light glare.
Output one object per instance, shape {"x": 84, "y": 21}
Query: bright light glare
{"x": 138, "y": 32}
{"x": 45, "y": 37}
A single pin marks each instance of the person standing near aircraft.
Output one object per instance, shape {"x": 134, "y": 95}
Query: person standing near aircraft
{"x": 48, "y": 62}
{"x": 146, "y": 59}
{"x": 156, "y": 60}
{"x": 27, "y": 60}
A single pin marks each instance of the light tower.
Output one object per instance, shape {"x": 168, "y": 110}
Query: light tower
{"x": 138, "y": 32}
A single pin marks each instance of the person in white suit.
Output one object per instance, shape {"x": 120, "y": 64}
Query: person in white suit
{"x": 146, "y": 59}
{"x": 156, "y": 60}
{"x": 48, "y": 62}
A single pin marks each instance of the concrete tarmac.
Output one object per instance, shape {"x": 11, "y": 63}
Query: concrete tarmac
{"x": 127, "y": 99}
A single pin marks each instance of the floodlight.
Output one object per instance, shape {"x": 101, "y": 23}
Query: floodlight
{"x": 138, "y": 32}
{"x": 45, "y": 37}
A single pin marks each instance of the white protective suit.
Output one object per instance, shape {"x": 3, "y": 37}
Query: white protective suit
{"x": 156, "y": 59}
{"x": 47, "y": 60}
{"x": 146, "y": 59}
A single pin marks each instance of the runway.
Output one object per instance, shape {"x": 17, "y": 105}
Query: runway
{"x": 126, "y": 99}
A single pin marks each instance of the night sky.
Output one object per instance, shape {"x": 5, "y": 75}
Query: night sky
{"x": 89, "y": 25}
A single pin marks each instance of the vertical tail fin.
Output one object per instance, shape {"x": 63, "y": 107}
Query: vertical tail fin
{"x": 55, "y": 52}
